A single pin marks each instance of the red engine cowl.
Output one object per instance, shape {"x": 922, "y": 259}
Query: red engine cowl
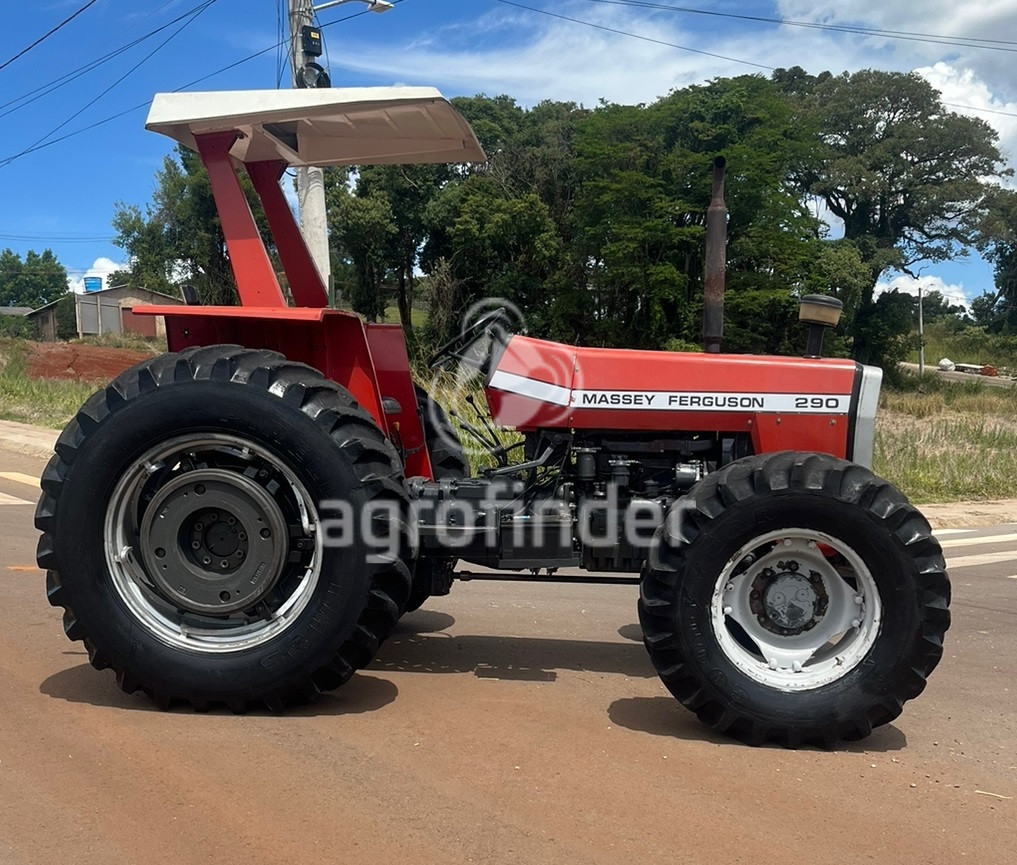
{"x": 784, "y": 403}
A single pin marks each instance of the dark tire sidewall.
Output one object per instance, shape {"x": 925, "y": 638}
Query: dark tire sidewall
{"x": 885, "y": 667}
{"x": 295, "y": 439}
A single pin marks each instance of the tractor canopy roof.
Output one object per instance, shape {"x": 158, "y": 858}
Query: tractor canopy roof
{"x": 328, "y": 126}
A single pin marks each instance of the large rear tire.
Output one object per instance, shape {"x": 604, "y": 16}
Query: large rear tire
{"x": 796, "y": 598}
{"x": 225, "y": 526}
{"x": 433, "y": 574}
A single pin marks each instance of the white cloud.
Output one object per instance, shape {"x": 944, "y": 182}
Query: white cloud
{"x": 101, "y": 267}
{"x": 962, "y": 87}
{"x": 950, "y": 21}
{"x": 954, "y": 293}
{"x": 533, "y": 57}
{"x": 819, "y": 209}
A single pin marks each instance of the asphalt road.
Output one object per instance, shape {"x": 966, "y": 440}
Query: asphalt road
{"x": 508, "y": 723}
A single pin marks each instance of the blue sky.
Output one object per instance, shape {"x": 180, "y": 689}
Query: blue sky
{"x": 62, "y": 196}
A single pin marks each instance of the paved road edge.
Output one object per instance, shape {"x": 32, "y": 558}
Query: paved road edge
{"x": 26, "y": 439}
{"x": 38, "y": 442}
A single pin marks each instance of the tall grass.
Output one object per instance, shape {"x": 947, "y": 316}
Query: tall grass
{"x": 950, "y": 443}
{"x": 936, "y": 441}
{"x": 43, "y": 402}
{"x": 968, "y": 345}
{"x": 127, "y": 339}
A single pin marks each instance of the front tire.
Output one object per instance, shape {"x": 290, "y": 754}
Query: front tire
{"x": 190, "y": 525}
{"x": 795, "y": 598}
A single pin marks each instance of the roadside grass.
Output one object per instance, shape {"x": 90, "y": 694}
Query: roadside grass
{"x": 968, "y": 345}
{"x": 43, "y": 402}
{"x": 942, "y": 441}
{"x": 418, "y": 317}
{"x": 937, "y": 441}
{"x": 126, "y": 339}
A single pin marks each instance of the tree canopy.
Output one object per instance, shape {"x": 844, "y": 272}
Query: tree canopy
{"x": 34, "y": 282}
{"x": 592, "y": 220}
{"x": 178, "y": 237}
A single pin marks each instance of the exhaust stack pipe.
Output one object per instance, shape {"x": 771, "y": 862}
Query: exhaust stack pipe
{"x": 716, "y": 262}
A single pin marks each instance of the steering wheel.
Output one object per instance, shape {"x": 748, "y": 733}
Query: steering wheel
{"x": 454, "y": 348}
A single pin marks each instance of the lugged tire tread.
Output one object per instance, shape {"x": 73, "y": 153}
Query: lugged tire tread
{"x": 376, "y": 463}
{"x": 660, "y": 587}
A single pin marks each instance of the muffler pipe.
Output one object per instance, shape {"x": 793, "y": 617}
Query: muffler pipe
{"x": 716, "y": 262}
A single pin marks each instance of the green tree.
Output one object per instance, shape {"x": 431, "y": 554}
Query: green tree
{"x": 997, "y": 310}
{"x": 362, "y": 231}
{"x": 407, "y": 190}
{"x": 936, "y": 307}
{"x": 34, "y": 282}
{"x": 906, "y": 176}
{"x": 494, "y": 245}
{"x": 178, "y": 237}
{"x": 646, "y": 184}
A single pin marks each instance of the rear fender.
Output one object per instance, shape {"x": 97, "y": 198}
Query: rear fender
{"x": 370, "y": 361}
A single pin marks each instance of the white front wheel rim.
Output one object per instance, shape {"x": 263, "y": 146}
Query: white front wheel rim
{"x": 795, "y": 609}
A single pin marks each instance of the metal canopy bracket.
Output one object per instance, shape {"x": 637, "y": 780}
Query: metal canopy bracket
{"x": 256, "y": 280}
{"x": 305, "y": 281}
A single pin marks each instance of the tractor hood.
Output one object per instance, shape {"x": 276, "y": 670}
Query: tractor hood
{"x": 539, "y": 385}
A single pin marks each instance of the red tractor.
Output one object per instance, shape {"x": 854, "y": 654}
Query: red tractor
{"x": 242, "y": 521}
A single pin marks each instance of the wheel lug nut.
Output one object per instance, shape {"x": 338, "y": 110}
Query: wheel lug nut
{"x": 224, "y": 596}
{"x": 198, "y": 527}
{"x": 772, "y": 664}
{"x": 265, "y": 533}
{"x": 859, "y": 599}
{"x": 231, "y": 520}
{"x": 242, "y": 536}
{"x": 195, "y": 545}
{"x": 206, "y": 560}
{"x": 797, "y": 666}
{"x": 729, "y": 587}
{"x": 160, "y": 552}
{"x": 856, "y": 623}
{"x": 212, "y": 517}
{"x": 727, "y": 611}
{"x": 199, "y": 489}
{"x": 224, "y": 564}
{"x": 240, "y": 554}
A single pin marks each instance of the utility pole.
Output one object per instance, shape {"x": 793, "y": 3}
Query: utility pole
{"x": 921, "y": 333}
{"x": 310, "y": 181}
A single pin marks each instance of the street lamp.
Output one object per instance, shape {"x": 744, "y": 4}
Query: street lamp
{"x": 373, "y": 5}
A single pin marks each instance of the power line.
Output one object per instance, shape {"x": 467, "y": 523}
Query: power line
{"x": 49, "y": 87}
{"x": 709, "y": 54}
{"x": 983, "y": 110}
{"x": 46, "y": 35}
{"x": 280, "y": 34}
{"x": 122, "y": 78}
{"x": 907, "y": 35}
{"x": 638, "y": 36}
{"x": 147, "y": 102}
